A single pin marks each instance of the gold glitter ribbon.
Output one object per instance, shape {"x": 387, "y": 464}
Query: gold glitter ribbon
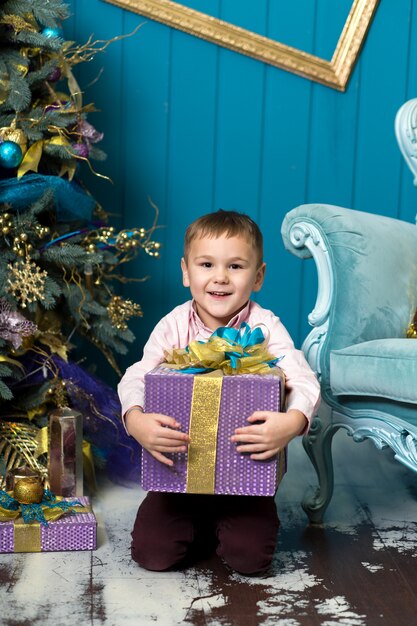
{"x": 27, "y": 537}
{"x": 204, "y": 419}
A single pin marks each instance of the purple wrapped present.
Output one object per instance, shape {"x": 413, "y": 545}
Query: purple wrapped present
{"x": 73, "y": 531}
{"x": 209, "y": 407}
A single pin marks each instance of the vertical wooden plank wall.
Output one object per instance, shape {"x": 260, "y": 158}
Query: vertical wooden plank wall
{"x": 195, "y": 127}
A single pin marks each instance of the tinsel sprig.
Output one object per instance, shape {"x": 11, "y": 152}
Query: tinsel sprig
{"x": 120, "y": 311}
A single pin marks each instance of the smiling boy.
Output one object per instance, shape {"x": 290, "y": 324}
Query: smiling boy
{"x": 222, "y": 266}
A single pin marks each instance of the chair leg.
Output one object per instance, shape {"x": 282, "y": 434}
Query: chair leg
{"x": 317, "y": 443}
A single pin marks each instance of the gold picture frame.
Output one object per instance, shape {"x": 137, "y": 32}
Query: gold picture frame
{"x": 334, "y": 73}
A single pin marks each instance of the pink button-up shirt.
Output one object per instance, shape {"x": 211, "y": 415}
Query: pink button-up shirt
{"x": 182, "y": 325}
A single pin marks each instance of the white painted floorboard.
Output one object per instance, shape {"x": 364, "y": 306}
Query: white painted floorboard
{"x": 105, "y": 587}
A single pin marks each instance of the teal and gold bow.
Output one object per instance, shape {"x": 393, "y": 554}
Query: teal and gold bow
{"x": 50, "y": 508}
{"x": 231, "y": 350}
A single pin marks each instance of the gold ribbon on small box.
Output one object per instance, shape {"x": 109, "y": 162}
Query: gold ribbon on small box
{"x": 27, "y": 534}
{"x": 228, "y": 351}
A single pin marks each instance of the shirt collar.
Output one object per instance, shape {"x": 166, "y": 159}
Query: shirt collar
{"x": 236, "y": 321}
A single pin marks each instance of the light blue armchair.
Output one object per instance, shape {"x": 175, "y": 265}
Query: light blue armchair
{"x": 367, "y": 297}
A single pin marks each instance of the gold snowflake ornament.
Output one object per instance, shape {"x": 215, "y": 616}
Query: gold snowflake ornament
{"x": 27, "y": 281}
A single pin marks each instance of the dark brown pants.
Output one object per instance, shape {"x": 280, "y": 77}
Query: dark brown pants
{"x": 171, "y": 528}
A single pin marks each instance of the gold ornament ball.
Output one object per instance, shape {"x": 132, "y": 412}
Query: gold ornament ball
{"x": 16, "y": 135}
{"x": 28, "y": 490}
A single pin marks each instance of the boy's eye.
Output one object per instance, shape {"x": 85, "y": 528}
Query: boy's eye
{"x": 235, "y": 266}
{"x": 206, "y": 264}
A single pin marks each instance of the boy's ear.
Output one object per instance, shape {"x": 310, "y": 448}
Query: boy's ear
{"x": 185, "y": 279}
{"x": 260, "y": 275}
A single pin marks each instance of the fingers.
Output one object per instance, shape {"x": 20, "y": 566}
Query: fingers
{"x": 258, "y": 423}
{"x": 246, "y": 437}
{"x": 160, "y": 457}
{"x": 168, "y": 421}
{"x": 260, "y": 416}
{"x": 159, "y": 447}
{"x": 252, "y": 447}
{"x": 169, "y": 435}
{"x": 263, "y": 456}
{"x": 259, "y": 451}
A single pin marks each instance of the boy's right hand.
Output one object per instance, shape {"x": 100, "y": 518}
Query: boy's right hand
{"x": 150, "y": 430}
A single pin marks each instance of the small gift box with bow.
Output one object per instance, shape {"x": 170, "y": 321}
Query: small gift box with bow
{"x": 35, "y": 520}
{"x": 211, "y": 389}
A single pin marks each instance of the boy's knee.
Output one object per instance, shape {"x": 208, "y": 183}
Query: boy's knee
{"x": 248, "y": 549}
{"x": 157, "y": 558}
{"x": 250, "y": 561}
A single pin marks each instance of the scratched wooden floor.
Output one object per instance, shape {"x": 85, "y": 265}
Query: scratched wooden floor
{"x": 358, "y": 569}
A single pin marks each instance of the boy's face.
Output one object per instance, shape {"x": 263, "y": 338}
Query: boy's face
{"x": 221, "y": 273}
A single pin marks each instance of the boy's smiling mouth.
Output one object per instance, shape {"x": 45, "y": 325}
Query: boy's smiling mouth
{"x": 220, "y": 294}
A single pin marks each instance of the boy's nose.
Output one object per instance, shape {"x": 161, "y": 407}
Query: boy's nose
{"x": 220, "y": 275}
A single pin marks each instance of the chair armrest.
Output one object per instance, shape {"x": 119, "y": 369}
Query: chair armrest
{"x": 367, "y": 275}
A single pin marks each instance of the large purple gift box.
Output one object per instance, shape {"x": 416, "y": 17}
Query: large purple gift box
{"x": 181, "y": 395}
{"x": 73, "y": 531}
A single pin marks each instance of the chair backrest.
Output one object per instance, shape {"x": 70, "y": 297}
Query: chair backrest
{"x": 370, "y": 263}
{"x": 406, "y": 133}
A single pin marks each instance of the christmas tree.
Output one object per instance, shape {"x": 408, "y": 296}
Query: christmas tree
{"x": 60, "y": 261}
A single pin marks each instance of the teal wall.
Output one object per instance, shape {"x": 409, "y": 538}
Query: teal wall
{"x": 196, "y": 127}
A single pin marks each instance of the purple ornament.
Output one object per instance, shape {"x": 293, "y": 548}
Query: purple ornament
{"x": 55, "y": 75}
{"x": 13, "y": 326}
{"x": 81, "y": 149}
{"x": 88, "y": 132}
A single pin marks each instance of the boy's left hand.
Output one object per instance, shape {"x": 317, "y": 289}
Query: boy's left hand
{"x": 270, "y": 434}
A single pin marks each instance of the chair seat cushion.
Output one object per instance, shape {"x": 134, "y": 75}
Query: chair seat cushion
{"x": 384, "y": 368}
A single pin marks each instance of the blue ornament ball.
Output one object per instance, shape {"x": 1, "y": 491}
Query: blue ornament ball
{"x": 11, "y": 154}
{"x": 51, "y": 32}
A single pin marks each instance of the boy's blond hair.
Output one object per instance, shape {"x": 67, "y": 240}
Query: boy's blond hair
{"x": 229, "y": 223}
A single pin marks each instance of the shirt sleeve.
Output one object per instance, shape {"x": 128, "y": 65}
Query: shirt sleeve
{"x": 302, "y": 388}
{"x": 131, "y": 386}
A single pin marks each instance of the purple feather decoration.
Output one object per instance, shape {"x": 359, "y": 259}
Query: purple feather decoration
{"x": 100, "y": 407}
